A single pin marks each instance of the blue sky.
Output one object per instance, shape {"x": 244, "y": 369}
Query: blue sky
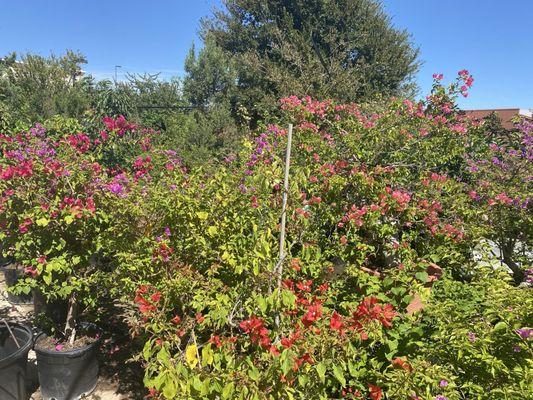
{"x": 492, "y": 39}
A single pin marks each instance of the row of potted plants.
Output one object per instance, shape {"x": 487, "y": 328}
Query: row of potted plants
{"x": 52, "y": 189}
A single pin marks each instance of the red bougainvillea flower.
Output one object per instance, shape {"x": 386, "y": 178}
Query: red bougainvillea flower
{"x": 24, "y": 226}
{"x": 199, "y": 318}
{"x": 375, "y": 392}
{"x": 369, "y": 310}
{"x": 257, "y": 331}
{"x": 295, "y": 264}
{"x": 286, "y": 342}
{"x": 119, "y": 125}
{"x": 305, "y": 286}
{"x": 400, "y": 363}
{"x": 275, "y": 351}
{"x": 298, "y": 362}
{"x": 313, "y": 313}
{"x": 386, "y": 315}
{"x": 146, "y": 306}
{"x": 293, "y": 337}
{"x": 215, "y": 340}
{"x": 335, "y": 323}
{"x": 323, "y": 287}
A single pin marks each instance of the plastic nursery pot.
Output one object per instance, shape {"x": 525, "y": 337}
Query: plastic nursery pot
{"x": 13, "y": 361}
{"x": 67, "y": 375}
{"x": 12, "y": 273}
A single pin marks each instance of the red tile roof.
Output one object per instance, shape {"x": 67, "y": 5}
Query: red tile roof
{"x": 504, "y": 114}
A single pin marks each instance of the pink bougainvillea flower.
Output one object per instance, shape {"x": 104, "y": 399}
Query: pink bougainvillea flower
{"x": 31, "y": 271}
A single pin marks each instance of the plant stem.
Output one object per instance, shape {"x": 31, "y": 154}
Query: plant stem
{"x": 72, "y": 316}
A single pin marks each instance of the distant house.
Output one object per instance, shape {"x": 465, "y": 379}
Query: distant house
{"x": 506, "y": 115}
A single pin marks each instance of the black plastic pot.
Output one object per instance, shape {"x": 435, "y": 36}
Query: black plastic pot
{"x": 13, "y": 361}
{"x": 67, "y": 375}
{"x": 12, "y": 274}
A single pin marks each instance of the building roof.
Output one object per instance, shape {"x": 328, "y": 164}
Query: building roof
{"x": 504, "y": 114}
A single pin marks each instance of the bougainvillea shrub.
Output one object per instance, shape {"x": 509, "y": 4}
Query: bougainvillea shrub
{"x": 381, "y": 294}
{"x": 53, "y": 208}
{"x": 502, "y": 187}
{"x": 379, "y": 213}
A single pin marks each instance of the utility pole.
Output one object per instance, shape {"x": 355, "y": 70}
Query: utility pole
{"x": 116, "y": 67}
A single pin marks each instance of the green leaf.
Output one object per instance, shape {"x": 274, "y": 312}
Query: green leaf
{"x": 261, "y": 302}
{"x": 170, "y": 391}
{"x": 202, "y": 215}
{"x": 286, "y": 363}
{"x": 253, "y": 373}
{"x": 42, "y": 221}
{"x": 339, "y": 374}
{"x": 500, "y": 326}
{"x": 47, "y": 279}
{"x": 321, "y": 371}
{"x": 207, "y": 355}
{"x": 422, "y": 276}
{"x": 163, "y": 357}
{"x": 147, "y": 350}
{"x": 288, "y": 298}
{"x": 228, "y": 390}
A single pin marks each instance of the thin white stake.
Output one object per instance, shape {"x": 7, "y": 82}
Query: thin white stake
{"x": 282, "y": 255}
{"x": 11, "y": 333}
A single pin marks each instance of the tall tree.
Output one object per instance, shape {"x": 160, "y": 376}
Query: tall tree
{"x": 35, "y": 87}
{"x": 343, "y": 49}
{"x": 210, "y": 76}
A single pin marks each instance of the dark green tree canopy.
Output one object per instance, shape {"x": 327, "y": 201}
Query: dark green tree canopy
{"x": 342, "y": 49}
